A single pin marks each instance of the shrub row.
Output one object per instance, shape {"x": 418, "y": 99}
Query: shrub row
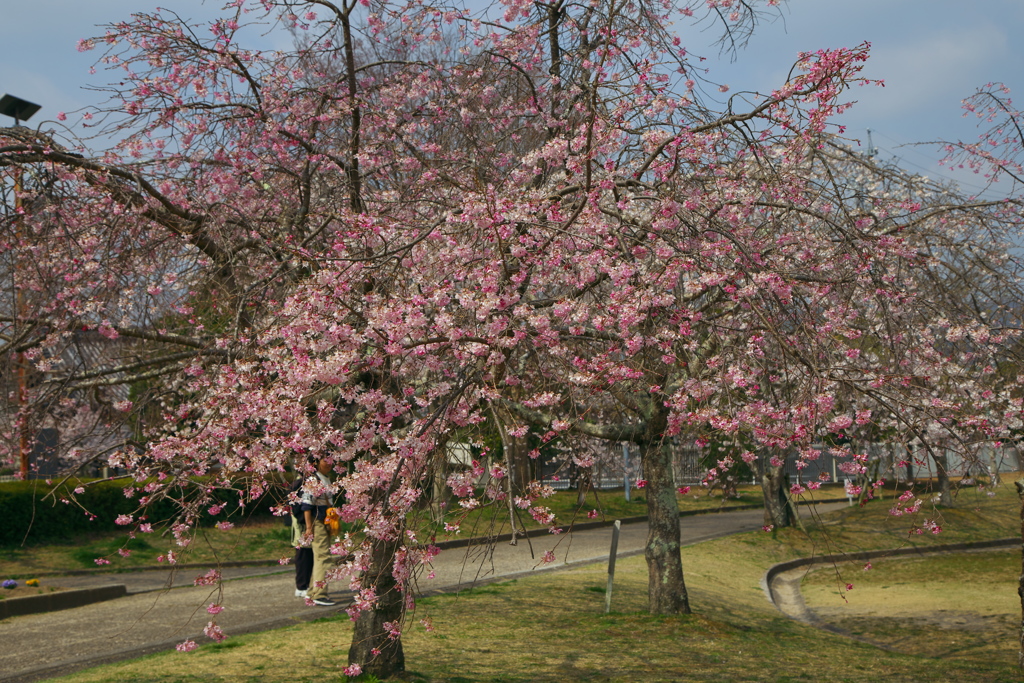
{"x": 33, "y": 517}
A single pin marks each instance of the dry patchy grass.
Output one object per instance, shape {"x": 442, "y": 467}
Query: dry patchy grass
{"x": 962, "y": 605}
{"x": 552, "y": 628}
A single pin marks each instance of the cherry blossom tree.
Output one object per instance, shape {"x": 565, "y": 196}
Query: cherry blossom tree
{"x": 996, "y": 157}
{"x": 535, "y": 216}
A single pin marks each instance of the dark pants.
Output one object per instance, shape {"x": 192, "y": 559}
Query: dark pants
{"x": 303, "y": 567}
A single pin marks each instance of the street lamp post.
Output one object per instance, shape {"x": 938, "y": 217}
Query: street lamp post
{"x": 20, "y": 110}
{"x": 17, "y": 108}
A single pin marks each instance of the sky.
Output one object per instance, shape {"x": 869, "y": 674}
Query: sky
{"x": 930, "y": 53}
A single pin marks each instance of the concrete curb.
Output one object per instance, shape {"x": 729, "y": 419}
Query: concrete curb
{"x": 51, "y": 602}
{"x": 777, "y": 569}
{"x": 793, "y": 599}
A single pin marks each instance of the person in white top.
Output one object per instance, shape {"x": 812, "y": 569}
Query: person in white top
{"x": 316, "y": 498}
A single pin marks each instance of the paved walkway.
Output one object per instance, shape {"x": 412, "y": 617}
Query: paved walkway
{"x": 162, "y": 610}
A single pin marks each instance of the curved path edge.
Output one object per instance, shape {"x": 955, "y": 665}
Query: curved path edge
{"x": 781, "y": 583}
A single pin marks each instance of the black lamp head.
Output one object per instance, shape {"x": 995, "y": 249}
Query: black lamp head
{"x": 17, "y": 108}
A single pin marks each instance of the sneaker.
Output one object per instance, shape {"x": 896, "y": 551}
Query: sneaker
{"x": 301, "y": 594}
{"x": 324, "y": 602}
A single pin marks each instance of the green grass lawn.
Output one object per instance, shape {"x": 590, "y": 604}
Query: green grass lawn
{"x": 261, "y": 538}
{"x": 551, "y": 627}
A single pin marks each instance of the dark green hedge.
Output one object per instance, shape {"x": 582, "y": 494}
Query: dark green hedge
{"x": 31, "y": 517}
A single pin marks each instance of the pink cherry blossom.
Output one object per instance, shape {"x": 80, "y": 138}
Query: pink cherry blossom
{"x": 441, "y": 273}
{"x": 186, "y": 646}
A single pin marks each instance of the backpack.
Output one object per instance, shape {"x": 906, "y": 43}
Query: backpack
{"x": 296, "y": 508}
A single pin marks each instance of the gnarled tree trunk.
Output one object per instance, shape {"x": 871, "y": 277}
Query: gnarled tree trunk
{"x": 777, "y": 508}
{"x": 993, "y": 466}
{"x": 666, "y": 589}
{"x": 910, "y": 463}
{"x": 941, "y": 461}
{"x": 373, "y": 647}
{"x": 584, "y": 482}
{"x": 521, "y": 466}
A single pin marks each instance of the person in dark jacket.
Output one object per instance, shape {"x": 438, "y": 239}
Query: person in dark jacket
{"x": 303, "y": 552}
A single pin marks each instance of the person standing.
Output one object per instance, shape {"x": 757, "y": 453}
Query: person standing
{"x": 303, "y": 551}
{"x": 316, "y": 498}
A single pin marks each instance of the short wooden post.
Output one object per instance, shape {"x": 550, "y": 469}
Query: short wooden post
{"x": 611, "y": 566}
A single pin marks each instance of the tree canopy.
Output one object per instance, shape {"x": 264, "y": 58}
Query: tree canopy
{"x": 427, "y": 218}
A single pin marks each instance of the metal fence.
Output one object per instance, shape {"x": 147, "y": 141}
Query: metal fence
{"x": 617, "y": 463}
{"x": 895, "y": 461}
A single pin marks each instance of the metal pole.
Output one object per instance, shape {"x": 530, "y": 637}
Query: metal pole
{"x": 625, "y": 469}
{"x": 611, "y": 566}
{"x": 19, "y": 359}
{"x": 20, "y": 110}
{"x": 1019, "y": 485}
